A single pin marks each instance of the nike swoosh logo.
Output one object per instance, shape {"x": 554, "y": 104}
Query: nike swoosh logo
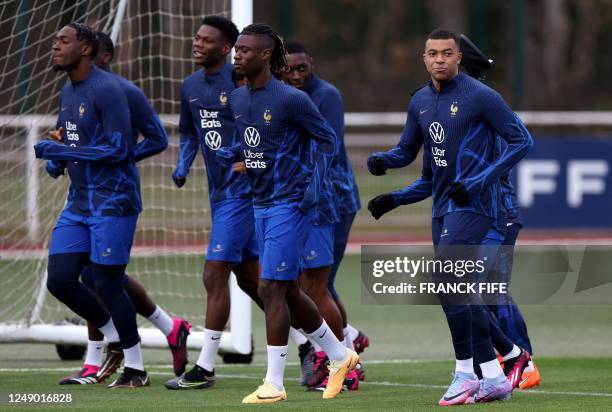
{"x": 193, "y": 100}
{"x": 450, "y": 398}
{"x": 213, "y": 338}
{"x": 321, "y": 337}
{"x": 423, "y": 111}
{"x": 63, "y": 108}
{"x": 236, "y": 117}
{"x": 267, "y": 397}
{"x": 311, "y": 257}
{"x": 106, "y": 254}
{"x": 446, "y": 234}
{"x": 283, "y": 354}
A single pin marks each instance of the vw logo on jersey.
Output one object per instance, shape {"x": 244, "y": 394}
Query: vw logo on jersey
{"x": 213, "y": 139}
{"x": 251, "y": 136}
{"x": 436, "y": 132}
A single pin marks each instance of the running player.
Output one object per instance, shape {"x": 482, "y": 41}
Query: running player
{"x": 99, "y": 219}
{"x": 276, "y": 124}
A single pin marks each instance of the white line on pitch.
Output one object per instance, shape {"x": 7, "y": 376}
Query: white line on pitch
{"x": 368, "y": 383}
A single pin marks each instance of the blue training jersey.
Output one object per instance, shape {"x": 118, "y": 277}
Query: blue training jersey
{"x": 98, "y": 147}
{"x": 328, "y": 101}
{"x": 276, "y": 124}
{"x": 458, "y": 128}
{"x": 206, "y": 121}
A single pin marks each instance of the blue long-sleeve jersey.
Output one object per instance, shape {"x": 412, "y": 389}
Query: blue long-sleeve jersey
{"x": 328, "y": 101}
{"x": 144, "y": 121}
{"x": 206, "y": 121}
{"x": 276, "y": 124}
{"x": 97, "y": 146}
{"x": 457, "y": 127}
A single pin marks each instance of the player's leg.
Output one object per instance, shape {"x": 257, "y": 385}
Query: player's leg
{"x": 276, "y": 228}
{"x": 111, "y": 243}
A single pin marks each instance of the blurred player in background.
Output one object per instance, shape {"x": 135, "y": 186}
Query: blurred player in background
{"x": 146, "y": 122}
{"x": 327, "y": 241}
{"x": 207, "y": 124}
{"x": 276, "y": 124}
{"x": 461, "y": 169}
{"x": 98, "y": 222}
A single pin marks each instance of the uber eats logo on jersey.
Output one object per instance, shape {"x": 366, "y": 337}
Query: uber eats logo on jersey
{"x": 436, "y": 132}
{"x": 253, "y": 159}
{"x": 209, "y": 119}
{"x": 71, "y": 133}
{"x": 213, "y": 139}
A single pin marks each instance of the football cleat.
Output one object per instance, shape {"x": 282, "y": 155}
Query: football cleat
{"x": 306, "y": 354}
{"x": 177, "y": 340}
{"x": 196, "y": 378}
{"x": 462, "y": 390}
{"x": 114, "y": 357}
{"x": 361, "y": 342}
{"x": 337, "y": 372}
{"x": 318, "y": 371}
{"x": 266, "y": 393}
{"x": 86, "y": 376}
{"x": 514, "y": 367}
{"x": 131, "y": 378}
{"x": 531, "y": 376}
{"x": 494, "y": 390}
{"x": 360, "y": 372}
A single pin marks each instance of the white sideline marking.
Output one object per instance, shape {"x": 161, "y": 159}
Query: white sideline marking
{"x": 367, "y": 383}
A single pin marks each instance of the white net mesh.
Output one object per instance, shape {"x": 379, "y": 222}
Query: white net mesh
{"x": 153, "y": 50}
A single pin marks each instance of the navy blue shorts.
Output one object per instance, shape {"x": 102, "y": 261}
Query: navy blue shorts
{"x": 107, "y": 239}
{"x": 319, "y": 248}
{"x": 232, "y": 236}
{"x": 281, "y": 231}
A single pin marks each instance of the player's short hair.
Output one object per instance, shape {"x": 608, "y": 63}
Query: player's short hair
{"x": 104, "y": 39}
{"x": 278, "y": 62}
{"x": 87, "y": 35}
{"x": 224, "y": 25}
{"x": 443, "y": 34}
{"x": 294, "y": 47}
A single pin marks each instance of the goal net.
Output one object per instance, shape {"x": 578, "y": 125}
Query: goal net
{"x": 153, "y": 49}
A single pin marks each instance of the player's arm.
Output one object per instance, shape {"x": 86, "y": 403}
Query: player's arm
{"x": 148, "y": 124}
{"x": 332, "y": 110}
{"x": 56, "y": 168}
{"x": 188, "y": 146}
{"x": 310, "y": 120}
{"x": 116, "y": 142}
{"x": 419, "y": 190}
{"x": 405, "y": 152}
{"x": 228, "y": 155}
{"x": 507, "y": 124}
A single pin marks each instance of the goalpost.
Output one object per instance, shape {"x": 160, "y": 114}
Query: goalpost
{"x": 153, "y": 49}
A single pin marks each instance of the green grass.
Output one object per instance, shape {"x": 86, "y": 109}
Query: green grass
{"x": 572, "y": 345}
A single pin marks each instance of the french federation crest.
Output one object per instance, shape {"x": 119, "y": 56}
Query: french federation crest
{"x": 223, "y": 98}
{"x": 267, "y": 116}
{"x": 82, "y": 110}
{"x": 454, "y": 108}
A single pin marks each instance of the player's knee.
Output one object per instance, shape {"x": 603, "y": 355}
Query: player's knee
{"x": 87, "y": 277}
{"x": 109, "y": 280}
{"x": 270, "y": 291}
{"x": 62, "y": 275}
{"x": 215, "y": 277}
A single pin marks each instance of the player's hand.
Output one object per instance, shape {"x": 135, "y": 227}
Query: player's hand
{"x": 381, "y": 204}
{"x": 458, "y": 194}
{"x": 179, "y": 181}
{"x": 56, "y": 134}
{"x": 239, "y": 167}
{"x": 55, "y": 169}
{"x": 376, "y": 165}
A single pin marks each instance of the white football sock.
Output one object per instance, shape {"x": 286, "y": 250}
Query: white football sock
{"x": 210, "y": 347}
{"x": 530, "y": 367}
{"x": 133, "y": 357}
{"x": 513, "y": 353}
{"x": 491, "y": 369}
{"x": 464, "y": 365}
{"x": 277, "y": 358}
{"x": 297, "y": 337}
{"x": 352, "y": 332}
{"x": 162, "y": 321}
{"x": 109, "y": 331}
{"x": 94, "y": 353}
{"x": 348, "y": 342}
{"x": 324, "y": 336}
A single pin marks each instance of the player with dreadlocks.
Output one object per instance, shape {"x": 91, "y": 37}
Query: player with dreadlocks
{"x": 276, "y": 124}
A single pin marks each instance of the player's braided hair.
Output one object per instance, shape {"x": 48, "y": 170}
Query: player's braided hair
{"x": 278, "y": 61}
{"x": 87, "y": 35}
